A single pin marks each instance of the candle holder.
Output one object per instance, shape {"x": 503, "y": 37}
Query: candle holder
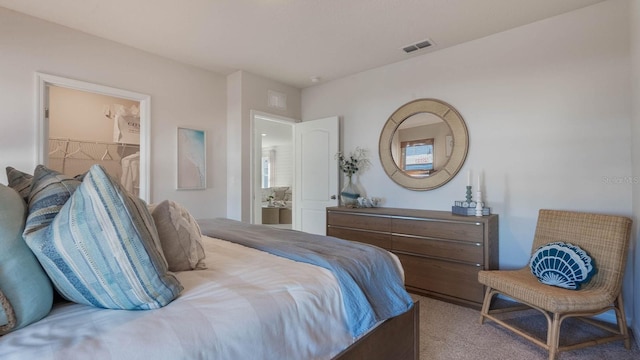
{"x": 479, "y": 204}
{"x": 469, "y": 194}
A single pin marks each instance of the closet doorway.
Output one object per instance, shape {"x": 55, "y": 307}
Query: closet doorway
{"x": 84, "y": 124}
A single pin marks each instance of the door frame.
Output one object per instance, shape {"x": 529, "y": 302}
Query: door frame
{"x": 253, "y": 180}
{"x": 42, "y": 122}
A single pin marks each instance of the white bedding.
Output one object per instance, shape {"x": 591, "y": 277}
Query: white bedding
{"x": 247, "y": 305}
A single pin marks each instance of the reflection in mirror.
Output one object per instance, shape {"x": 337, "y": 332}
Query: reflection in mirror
{"x": 419, "y": 145}
{"x": 423, "y": 144}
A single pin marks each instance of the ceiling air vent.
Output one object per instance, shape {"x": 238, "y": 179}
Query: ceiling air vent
{"x": 417, "y": 46}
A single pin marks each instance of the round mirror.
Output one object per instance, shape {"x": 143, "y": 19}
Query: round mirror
{"x": 423, "y": 144}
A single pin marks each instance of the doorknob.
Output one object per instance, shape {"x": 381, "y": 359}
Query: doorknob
{"x": 333, "y": 197}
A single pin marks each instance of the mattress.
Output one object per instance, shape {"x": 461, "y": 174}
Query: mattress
{"x": 247, "y": 304}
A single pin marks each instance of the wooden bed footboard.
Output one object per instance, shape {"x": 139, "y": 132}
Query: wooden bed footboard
{"x": 396, "y": 338}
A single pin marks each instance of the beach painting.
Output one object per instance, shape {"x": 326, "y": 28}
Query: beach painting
{"x": 192, "y": 164}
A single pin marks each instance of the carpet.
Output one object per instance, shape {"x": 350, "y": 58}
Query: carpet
{"x": 452, "y": 332}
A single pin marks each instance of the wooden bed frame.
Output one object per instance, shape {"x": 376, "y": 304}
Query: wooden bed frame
{"x": 396, "y": 338}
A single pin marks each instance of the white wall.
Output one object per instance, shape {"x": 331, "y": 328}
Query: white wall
{"x": 284, "y": 165}
{"x": 79, "y": 115}
{"x": 180, "y": 96}
{"x": 547, "y": 107}
{"x": 635, "y": 61}
{"x": 248, "y": 92}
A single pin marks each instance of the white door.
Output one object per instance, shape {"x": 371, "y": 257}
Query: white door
{"x": 316, "y": 173}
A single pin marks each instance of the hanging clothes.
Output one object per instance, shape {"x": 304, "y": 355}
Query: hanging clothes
{"x": 126, "y": 123}
{"x": 131, "y": 173}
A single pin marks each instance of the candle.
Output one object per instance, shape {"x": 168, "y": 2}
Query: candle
{"x": 478, "y": 182}
{"x": 469, "y": 178}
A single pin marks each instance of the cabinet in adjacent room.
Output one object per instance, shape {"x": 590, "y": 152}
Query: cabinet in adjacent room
{"x": 441, "y": 253}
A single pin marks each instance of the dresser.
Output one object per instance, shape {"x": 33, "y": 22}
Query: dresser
{"x": 441, "y": 253}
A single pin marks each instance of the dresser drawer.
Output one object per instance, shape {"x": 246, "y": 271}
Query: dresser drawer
{"x": 441, "y": 253}
{"x": 376, "y": 223}
{"x": 455, "y": 250}
{"x": 446, "y": 278}
{"x": 382, "y": 240}
{"x": 453, "y": 230}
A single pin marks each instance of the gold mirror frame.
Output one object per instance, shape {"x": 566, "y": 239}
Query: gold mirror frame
{"x": 458, "y": 154}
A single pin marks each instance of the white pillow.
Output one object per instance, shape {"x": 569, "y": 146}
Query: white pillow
{"x": 180, "y": 237}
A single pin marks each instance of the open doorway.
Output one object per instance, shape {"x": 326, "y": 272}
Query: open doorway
{"x": 88, "y": 128}
{"x": 273, "y": 170}
{"x": 122, "y": 141}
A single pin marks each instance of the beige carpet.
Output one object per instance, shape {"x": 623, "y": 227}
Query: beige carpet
{"x": 451, "y": 332}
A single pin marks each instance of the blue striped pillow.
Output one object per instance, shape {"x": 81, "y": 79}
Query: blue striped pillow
{"x": 102, "y": 249}
{"x": 49, "y": 191}
{"x": 19, "y": 181}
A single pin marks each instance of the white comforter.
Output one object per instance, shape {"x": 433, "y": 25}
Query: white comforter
{"x": 247, "y": 305}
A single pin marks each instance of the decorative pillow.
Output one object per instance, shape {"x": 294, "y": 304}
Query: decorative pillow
{"x": 19, "y": 181}
{"x": 279, "y": 192}
{"x": 50, "y": 190}
{"x": 80, "y": 177}
{"x": 180, "y": 237}
{"x": 562, "y": 264}
{"x": 102, "y": 249}
{"x": 26, "y": 287}
{"x": 266, "y": 192}
{"x": 8, "y": 315}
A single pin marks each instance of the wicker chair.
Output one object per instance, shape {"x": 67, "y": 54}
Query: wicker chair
{"x": 606, "y": 240}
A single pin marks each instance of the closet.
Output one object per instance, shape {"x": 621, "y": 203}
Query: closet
{"x": 87, "y": 128}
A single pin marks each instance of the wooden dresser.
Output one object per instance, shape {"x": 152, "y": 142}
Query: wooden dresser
{"x": 441, "y": 253}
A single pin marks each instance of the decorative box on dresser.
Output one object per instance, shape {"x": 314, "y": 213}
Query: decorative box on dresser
{"x": 441, "y": 253}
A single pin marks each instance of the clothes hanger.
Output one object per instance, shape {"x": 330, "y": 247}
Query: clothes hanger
{"x": 82, "y": 152}
{"x": 59, "y": 148}
{"x": 106, "y": 155}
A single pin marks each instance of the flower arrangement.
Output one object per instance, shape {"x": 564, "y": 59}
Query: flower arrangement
{"x": 355, "y": 162}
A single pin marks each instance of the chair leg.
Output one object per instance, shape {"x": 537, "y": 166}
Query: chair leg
{"x": 486, "y": 304}
{"x": 622, "y": 321}
{"x": 553, "y": 337}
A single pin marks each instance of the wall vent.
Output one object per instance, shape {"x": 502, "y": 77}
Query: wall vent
{"x": 417, "y": 46}
{"x": 277, "y": 99}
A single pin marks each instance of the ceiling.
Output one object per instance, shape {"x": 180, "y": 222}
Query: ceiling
{"x": 291, "y": 41}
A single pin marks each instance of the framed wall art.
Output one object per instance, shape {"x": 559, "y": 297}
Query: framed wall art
{"x": 192, "y": 156}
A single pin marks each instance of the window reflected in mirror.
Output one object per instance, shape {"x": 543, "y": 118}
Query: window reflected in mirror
{"x": 417, "y": 157}
{"x": 419, "y": 144}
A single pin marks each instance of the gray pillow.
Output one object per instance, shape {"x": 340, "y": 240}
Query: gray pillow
{"x": 180, "y": 237}
{"x": 279, "y": 192}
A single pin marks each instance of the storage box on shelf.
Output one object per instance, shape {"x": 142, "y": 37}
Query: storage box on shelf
{"x": 441, "y": 252}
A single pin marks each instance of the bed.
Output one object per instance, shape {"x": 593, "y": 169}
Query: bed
{"x": 247, "y": 303}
